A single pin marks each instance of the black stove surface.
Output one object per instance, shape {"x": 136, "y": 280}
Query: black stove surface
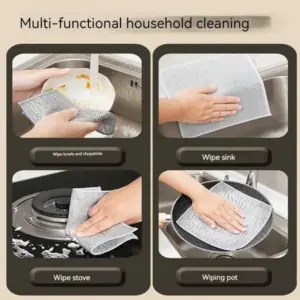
{"x": 37, "y": 245}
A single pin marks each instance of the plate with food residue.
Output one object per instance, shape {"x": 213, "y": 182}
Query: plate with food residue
{"x": 77, "y": 86}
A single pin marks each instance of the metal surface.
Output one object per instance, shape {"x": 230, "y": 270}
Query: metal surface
{"x": 45, "y": 204}
{"x": 273, "y": 246}
{"x": 269, "y": 127}
{"x": 125, "y": 76}
{"x": 226, "y": 177}
{"x": 165, "y": 247}
{"x": 35, "y": 224}
{"x": 252, "y": 178}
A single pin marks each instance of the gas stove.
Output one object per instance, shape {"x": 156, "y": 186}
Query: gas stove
{"x": 39, "y": 228}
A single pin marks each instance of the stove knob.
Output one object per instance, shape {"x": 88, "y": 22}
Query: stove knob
{"x": 62, "y": 203}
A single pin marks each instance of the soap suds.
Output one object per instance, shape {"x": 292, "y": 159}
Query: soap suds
{"x": 73, "y": 245}
{"x": 80, "y": 252}
{"x": 21, "y": 253}
{"x": 49, "y": 254}
{"x": 21, "y": 243}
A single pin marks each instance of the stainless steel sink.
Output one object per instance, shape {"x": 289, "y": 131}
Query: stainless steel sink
{"x": 275, "y": 245}
{"x": 269, "y": 127}
{"x": 125, "y": 76}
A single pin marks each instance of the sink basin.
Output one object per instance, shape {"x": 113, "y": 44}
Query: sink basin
{"x": 275, "y": 245}
{"x": 269, "y": 127}
{"x": 125, "y": 77}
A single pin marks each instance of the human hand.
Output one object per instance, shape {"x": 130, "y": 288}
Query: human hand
{"x": 214, "y": 210}
{"x": 123, "y": 205}
{"x": 27, "y": 83}
{"x": 210, "y": 207}
{"x": 197, "y": 106}
{"x": 60, "y": 125}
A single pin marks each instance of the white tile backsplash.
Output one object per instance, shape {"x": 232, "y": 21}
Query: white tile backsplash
{"x": 28, "y": 174}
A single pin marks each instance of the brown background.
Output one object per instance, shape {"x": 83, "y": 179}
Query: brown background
{"x": 284, "y": 28}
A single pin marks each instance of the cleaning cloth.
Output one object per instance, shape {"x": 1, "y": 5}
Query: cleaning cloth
{"x": 81, "y": 200}
{"x": 256, "y": 212}
{"x": 48, "y": 103}
{"x": 233, "y": 74}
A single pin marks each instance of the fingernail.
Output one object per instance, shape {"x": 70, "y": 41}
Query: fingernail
{"x": 237, "y": 100}
{"x": 233, "y": 112}
{"x": 74, "y": 110}
{"x": 212, "y": 86}
{"x": 92, "y": 211}
{"x": 236, "y": 231}
{"x": 244, "y": 229}
{"x": 65, "y": 70}
{"x": 79, "y": 233}
{"x": 239, "y": 107}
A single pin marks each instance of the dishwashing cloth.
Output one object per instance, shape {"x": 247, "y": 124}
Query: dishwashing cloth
{"x": 82, "y": 199}
{"x": 256, "y": 212}
{"x": 233, "y": 74}
{"x": 48, "y": 103}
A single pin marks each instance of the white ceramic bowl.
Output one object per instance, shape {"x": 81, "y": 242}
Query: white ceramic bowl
{"x": 76, "y": 86}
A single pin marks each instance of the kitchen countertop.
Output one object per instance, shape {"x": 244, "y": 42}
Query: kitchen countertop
{"x": 28, "y": 174}
{"x": 166, "y": 249}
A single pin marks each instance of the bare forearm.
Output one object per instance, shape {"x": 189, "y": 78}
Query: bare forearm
{"x": 136, "y": 187}
{"x": 169, "y": 111}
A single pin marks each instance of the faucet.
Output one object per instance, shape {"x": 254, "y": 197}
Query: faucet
{"x": 252, "y": 179}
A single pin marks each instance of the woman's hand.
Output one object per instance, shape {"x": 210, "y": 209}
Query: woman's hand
{"x": 28, "y": 83}
{"x": 60, "y": 125}
{"x": 120, "y": 206}
{"x": 196, "y": 105}
{"x": 214, "y": 210}
{"x": 211, "y": 208}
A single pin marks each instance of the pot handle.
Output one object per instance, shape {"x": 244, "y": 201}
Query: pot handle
{"x": 163, "y": 218}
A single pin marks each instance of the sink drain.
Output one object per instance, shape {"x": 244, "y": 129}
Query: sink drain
{"x": 223, "y": 256}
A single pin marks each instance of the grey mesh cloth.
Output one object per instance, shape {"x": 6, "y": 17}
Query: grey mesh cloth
{"x": 48, "y": 103}
{"x": 82, "y": 199}
{"x": 233, "y": 74}
{"x": 256, "y": 213}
